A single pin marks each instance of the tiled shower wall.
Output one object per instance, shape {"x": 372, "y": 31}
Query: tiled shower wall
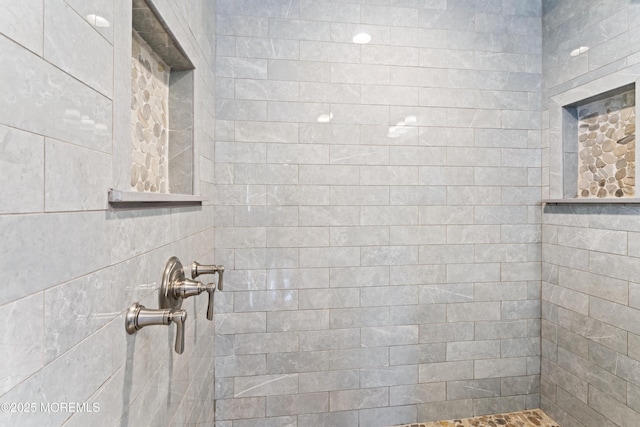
{"x": 384, "y": 267}
{"x": 71, "y": 265}
{"x": 591, "y": 258}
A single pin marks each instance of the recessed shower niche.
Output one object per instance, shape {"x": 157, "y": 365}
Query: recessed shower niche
{"x": 606, "y": 145}
{"x": 592, "y": 147}
{"x": 161, "y": 107}
{"x": 161, "y": 148}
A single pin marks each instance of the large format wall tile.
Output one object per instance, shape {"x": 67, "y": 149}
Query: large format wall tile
{"x": 80, "y": 188}
{"x": 22, "y": 22}
{"x": 22, "y": 171}
{"x": 48, "y": 238}
{"x": 42, "y": 99}
{"x": 72, "y": 44}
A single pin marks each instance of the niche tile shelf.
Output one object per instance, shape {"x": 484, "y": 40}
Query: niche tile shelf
{"x": 592, "y": 142}
{"x": 135, "y": 197}
{"x": 161, "y": 125}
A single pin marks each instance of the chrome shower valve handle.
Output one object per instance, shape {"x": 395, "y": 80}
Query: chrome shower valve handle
{"x": 138, "y": 317}
{"x": 197, "y": 269}
{"x": 187, "y": 288}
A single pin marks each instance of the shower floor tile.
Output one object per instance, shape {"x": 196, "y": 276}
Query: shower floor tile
{"x": 529, "y": 418}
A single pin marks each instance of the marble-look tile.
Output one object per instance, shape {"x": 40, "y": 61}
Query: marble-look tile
{"x": 329, "y": 215}
{"x": 300, "y": 29}
{"x": 231, "y": 152}
{"x": 294, "y": 71}
{"x": 389, "y": 255}
{"x": 307, "y": 112}
{"x": 83, "y": 187}
{"x": 22, "y": 171}
{"x": 271, "y": 8}
{"x": 359, "y": 73}
{"x": 266, "y": 132}
{"x": 90, "y": 61}
{"x": 267, "y": 90}
{"x": 344, "y": 32}
{"x": 23, "y": 22}
{"x": 326, "y": 11}
{"x": 246, "y": 47}
{"x": 329, "y": 298}
{"x": 385, "y": 416}
{"x": 23, "y": 341}
{"x": 78, "y": 308}
{"x": 297, "y": 154}
{"x": 420, "y": 393}
{"x": 358, "y": 236}
{"x": 294, "y": 362}
{"x": 388, "y": 376}
{"x": 47, "y": 237}
{"x": 311, "y": 382}
{"x": 307, "y": 403}
{"x": 329, "y": 419}
{"x": 344, "y": 400}
{"x": 329, "y": 52}
{"x": 248, "y": 407}
{"x": 390, "y": 55}
{"x": 83, "y": 365}
{"x": 241, "y": 110}
{"x": 329, "y": 174}
{"x": 265, "y": 385}
{"x": 234, "y": 67}
{"x": 329, "y": 339}
{"x": 355, "y": 195}
{"x": 329, "y": 92}
{"x": 260, "y": 258}
{"x": 389, "y": 335}
{"x": 299, "y": 278}
{"x": 248, "y": 26}
{"x": 358, "y": 317}
{"x": 495, "y": 368}
{"x": 101, "y": 9}
{"x": 55, "y": 104}
{"x": 134, "y": 232}
{"x": 245, "y": 365}
{"x": 298, "y": 320}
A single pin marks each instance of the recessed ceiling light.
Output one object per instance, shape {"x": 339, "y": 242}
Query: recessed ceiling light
{"x": 362, "y": 38}
{"x": 98, "y": 21}
{"x": 579, "y": 51}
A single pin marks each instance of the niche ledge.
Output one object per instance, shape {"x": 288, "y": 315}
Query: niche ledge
{"x": 586, "y": 201}
{"x": 132, "y": 198}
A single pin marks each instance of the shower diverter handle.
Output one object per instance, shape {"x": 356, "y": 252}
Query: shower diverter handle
{"x": 197, "y": 269}
{"x": 186, "y": 288}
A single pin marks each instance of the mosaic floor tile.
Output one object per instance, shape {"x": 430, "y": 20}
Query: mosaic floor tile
{"x": 529, "y": 418}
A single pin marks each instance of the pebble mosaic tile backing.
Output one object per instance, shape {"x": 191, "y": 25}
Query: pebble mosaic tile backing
{"x": 149, "y": 119}
{"x": 530, "y": 418}
{"x": 606, "y": 137}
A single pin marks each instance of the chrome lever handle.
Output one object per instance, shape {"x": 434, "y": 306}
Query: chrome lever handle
{"x": 187, "y": 288}
{"x": 138, "y": 317}
{"x": 211, "y": 288}
{"x": 179, "y": 317}
{"x": 197, "y": 269}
